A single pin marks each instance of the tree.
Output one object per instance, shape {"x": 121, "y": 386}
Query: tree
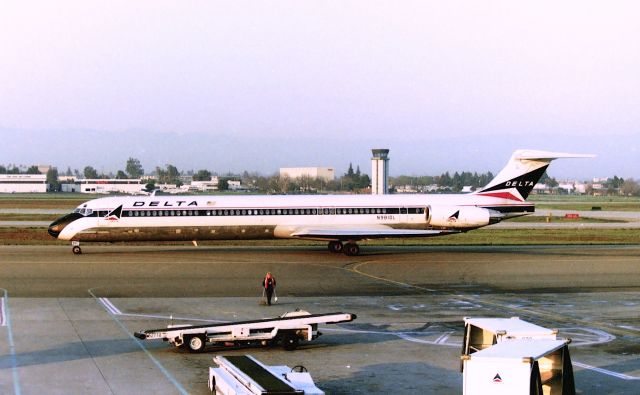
{"x": 33, "y": 170}
{"x": 631, "y": 188}
{"x": 169, "y": 176}
{"x": 52, "y": 179}
{"x": 121, "y": 175}
{"x": 90, "y": 173}
{"x": 151, "y": 185}
{"x": 134, "y": 168}
{"x": 223, "y": 184}
{"x": 3, "y": 170}
{"x": 202, "y": 175}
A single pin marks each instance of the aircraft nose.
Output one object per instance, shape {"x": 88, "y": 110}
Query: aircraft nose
{"x": 58, "y": 225}
{"x": 54, "y": 229}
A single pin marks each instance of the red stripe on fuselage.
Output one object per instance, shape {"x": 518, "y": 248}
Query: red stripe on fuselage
{"x": 502, "y": 195}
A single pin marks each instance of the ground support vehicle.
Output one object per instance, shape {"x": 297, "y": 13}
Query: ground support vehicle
{"x": 527, "y": 367}
{"x": 245, "y": 375}
{"x": 288, "y": 329}
{"x": 511, "y": 356}
{"x": 481, "y": 333}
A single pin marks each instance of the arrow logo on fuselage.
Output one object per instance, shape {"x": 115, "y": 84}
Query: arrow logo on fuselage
{"x": 115, "y": 214}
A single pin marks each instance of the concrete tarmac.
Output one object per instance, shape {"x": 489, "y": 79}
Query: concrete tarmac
{"x": 68, "y": 319}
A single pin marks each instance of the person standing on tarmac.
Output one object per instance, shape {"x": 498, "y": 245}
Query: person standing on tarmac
{"x": 269, "y": 284}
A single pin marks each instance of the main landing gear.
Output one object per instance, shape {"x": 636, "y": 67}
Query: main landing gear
{"x": 76, "y": 247}
{"x": 350, "y": 249}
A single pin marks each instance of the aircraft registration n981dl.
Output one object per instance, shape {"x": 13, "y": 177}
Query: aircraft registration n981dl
{"x": 341, "y": 220}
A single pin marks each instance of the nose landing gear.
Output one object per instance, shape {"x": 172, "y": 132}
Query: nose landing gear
{"x": 76, "y": 247}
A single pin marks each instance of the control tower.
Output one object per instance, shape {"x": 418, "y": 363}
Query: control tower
{"x": 379, "y": 171}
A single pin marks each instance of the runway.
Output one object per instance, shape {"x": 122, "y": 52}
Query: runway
{"x": 68, "y": 319}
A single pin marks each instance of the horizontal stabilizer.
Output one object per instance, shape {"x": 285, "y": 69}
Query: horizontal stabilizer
{"x": 547, "y": 155}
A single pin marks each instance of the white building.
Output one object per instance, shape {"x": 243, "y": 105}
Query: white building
{"x": 204, "y": 186}
{"x": 325, "y": 173}
{"x": 541, "y": 189}
{"x": 235, "y": 185}
{"x": 130, "y": 186}
{"x": 23, "y": 183}
{"x": 569, "y": 187}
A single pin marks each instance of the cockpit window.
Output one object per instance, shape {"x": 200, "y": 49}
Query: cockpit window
{"x": 83, "y": 211}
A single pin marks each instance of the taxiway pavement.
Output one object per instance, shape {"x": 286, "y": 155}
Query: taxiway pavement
{"x": 68, "y": 319}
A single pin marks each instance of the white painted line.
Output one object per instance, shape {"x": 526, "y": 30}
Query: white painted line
{"x": 12, "y": 347}
{"x": 3, "y": 321}
{"x": 438, "y": 342}
{"x": 109, "y": 306}
{"x": 605, "y": 371}
{"x": 443, "y": 339}
{"x": 164, "y": 371}
{"x": 113, "y": 310}
{"x": 169, "y": 317}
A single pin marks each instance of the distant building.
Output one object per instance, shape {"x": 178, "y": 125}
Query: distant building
{"x": 406, "y": 189}
{"x": 103, "y": 186}
{"x": 44, "y": 169}
{"x": 23, "y": 183}
{"x": 205, "y": 186}
{"x": 541, "y": 189}
{"x": 235, "y": 185}
{"x": 580, "y": 188}
{"x": 325, "y": 173}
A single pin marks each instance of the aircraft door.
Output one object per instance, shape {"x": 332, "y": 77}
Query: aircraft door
{"x": 404, "y": 215}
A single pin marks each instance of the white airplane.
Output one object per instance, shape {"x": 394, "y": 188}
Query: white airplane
{"x": 342, "y": 220}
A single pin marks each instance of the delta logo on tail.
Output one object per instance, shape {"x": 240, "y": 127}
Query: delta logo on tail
{"x": 523, "y": 184}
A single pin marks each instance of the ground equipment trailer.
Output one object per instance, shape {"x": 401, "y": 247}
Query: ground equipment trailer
{"x": 245, "y": 375}
{"x": 481, "y": 333}
{"x": 288, "y": 330}
{"x": 520, "y": 366}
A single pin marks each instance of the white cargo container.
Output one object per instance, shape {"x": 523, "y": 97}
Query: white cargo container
{"x": 481, "y": 333}
{"x": 526, "y": 366}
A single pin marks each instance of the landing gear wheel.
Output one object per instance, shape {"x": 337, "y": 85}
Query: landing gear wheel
{"x": 351, "y": 249}
{"x": 196, "y": 343}
{"x": 76, "y": 250}
{"x": 335, "y": 246}
{"x": 290, "y": 341}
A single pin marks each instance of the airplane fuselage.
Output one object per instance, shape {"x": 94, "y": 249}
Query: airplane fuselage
{"x": 216, "y": 217}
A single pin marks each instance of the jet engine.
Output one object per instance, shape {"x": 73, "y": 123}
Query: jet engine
{"x": 462, "y": 217}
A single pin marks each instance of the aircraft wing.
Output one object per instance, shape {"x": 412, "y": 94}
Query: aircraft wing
{"x": 362, "y": 232}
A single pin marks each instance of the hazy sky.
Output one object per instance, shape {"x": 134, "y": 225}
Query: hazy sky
{"x": 331, "y": 78}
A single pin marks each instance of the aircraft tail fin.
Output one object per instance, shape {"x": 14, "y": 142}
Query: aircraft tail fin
{"x": 525, "y": 168}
